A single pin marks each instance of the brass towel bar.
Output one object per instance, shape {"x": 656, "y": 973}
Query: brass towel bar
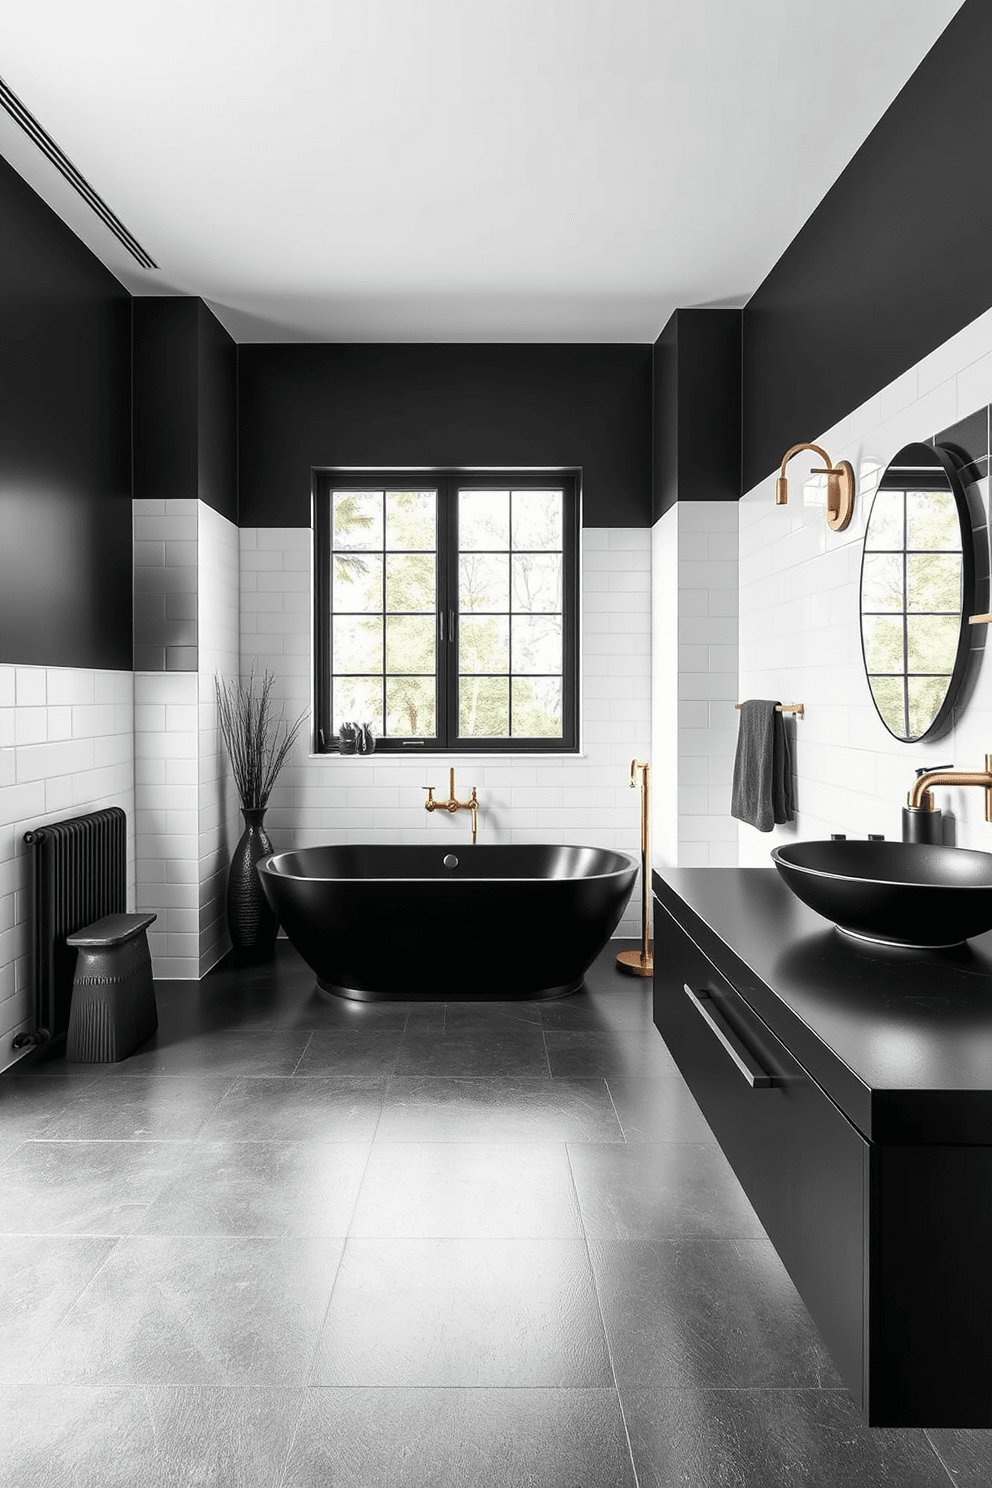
{"x": 798, "y": 708}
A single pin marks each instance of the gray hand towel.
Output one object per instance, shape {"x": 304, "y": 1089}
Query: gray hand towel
{"x": 763, "y": 793}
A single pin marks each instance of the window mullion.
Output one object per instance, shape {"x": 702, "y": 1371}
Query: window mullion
{"x": 445, "y": 605}
{"x": 451, "y": 658}
{"x": 509, "y": 623}
{"x": 385, "y": 675}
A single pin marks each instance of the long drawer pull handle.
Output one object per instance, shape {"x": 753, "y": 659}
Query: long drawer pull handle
{"x": 752, "y": 1072}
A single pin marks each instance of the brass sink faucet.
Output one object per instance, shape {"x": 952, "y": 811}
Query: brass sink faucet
{"x": 955, "y": 777}
{"x": 453, "y": 804}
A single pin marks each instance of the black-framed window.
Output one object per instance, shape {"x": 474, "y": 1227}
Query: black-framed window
{"x": 446, "y": 610}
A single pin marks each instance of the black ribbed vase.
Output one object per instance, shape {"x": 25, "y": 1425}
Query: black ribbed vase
{"x": 251, "y": 922}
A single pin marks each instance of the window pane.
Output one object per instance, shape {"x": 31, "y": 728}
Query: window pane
{"x": 357, "y": 643}
{"x": 483, "y": 519}
{"x": 925, "y": 695}
{"x": 484, "y": 707}
{"x": 483, "y": 582}
{"x": 934, "y": 581}
{"x": 536, "y": 644}
{"x": 410, "y": 582}
{"x": 932, "y": 642}
{"x": 536, "y": 582}
{"x": 357, "y": 519}
{"x": 881, "y": 582}
{"x": 883, "y": 643}
{"x": 932, "y": 521}
{"x": 357, "y": 700}
{"x": 357, "y": 581}
{"x": 885, "y": 530}
{"x": 536, "y": 707}
{"x": 484, "y": 643}
{"x": 537, "y": 519}
{"x": 410, "y": 643}
{"x": 889, "y": 694}
{"x": 410, "y": 519}
{"x": 410, "y": 707}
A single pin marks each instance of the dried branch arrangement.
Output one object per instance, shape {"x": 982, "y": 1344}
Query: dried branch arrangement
{"x": 257, "y": 736}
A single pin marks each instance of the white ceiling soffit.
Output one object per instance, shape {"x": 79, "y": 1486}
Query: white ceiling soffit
{"x": 453, "y": 170}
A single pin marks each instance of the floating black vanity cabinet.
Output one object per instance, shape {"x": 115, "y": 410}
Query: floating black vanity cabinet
{"x": 850, "y": 1086}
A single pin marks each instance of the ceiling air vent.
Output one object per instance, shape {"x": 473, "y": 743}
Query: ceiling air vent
{"x": 27, "y": 121}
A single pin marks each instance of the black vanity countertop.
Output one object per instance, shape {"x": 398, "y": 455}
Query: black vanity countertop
{"x": 901, "y": 1040}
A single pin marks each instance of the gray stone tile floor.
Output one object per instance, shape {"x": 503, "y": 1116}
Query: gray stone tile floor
{"x": 295, "y": 1242}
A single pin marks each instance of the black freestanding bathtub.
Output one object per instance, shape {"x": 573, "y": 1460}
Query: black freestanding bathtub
{"x": 449, "y": 923}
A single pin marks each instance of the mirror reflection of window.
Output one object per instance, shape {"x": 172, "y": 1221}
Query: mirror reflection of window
{"x": 913, "y": 591}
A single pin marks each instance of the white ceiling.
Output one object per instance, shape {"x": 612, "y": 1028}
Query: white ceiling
{"x": 454, "y": 170}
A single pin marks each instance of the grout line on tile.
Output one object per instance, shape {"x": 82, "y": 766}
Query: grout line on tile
{"x": 602, "y": 1315}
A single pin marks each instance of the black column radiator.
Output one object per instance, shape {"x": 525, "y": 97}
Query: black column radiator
{"x": 80, "y": 868}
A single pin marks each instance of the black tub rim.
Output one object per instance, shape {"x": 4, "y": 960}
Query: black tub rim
{"x": 268, "y": 864}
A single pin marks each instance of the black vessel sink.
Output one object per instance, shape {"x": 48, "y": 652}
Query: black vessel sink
{"x": 898, "y": 893}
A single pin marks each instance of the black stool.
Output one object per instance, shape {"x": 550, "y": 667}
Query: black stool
{"x": 113, "y": 996}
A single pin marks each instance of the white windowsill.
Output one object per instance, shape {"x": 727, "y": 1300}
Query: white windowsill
{"x": 392, "y": 756}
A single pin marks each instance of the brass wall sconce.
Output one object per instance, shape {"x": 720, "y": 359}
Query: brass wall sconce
{"x": 841, "y": 485}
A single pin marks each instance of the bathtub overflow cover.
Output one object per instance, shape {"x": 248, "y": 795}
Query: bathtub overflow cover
{"x": 450, "y": 861}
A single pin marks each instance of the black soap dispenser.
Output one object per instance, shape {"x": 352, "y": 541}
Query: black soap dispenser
{"x": 924, "y": 823}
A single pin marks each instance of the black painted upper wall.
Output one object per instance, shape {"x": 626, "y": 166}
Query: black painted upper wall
{"x": 166, "y": 457}
{"x": 65, "y": 443}
{"x": 895, "y": 259}
{"x": 665, "y": 413}
{"x": 185, "y": 404}
{"x": 217, "y": 428}
{"x": 444, "y": 405}
{"x": 697, "y": 409}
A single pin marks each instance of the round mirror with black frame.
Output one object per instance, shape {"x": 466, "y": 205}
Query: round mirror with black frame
{"x": 917, "y": 591}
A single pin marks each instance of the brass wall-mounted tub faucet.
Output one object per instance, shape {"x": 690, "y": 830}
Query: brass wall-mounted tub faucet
{"x": 982, "y": 778}
{"x": 453, "y": 804}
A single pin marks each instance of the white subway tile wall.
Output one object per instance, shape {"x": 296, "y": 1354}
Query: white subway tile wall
{"x": 694, "y": 683}
{"x": 166, "y": 592}
{"x": 561, "y": 799}
{"x": 219, "y": 817}
{"x": 66, "y": 747}
{"x": 167, "y": 823}
{"x": 799, "y": 622}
